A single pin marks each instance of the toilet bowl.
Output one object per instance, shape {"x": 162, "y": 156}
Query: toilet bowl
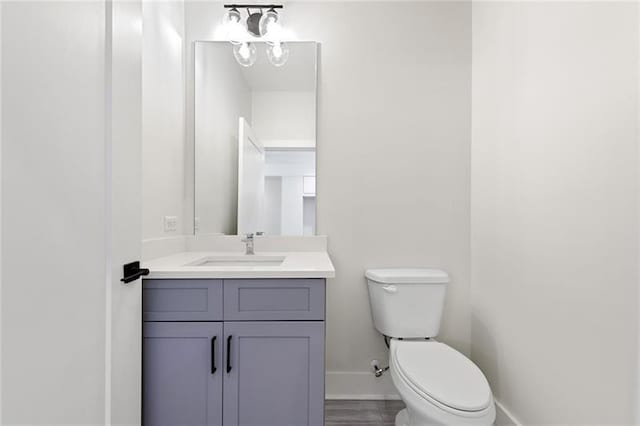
{"x": 439, "y": 385}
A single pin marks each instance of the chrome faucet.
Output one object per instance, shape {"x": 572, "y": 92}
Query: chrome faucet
{"x": 248, "y": 240}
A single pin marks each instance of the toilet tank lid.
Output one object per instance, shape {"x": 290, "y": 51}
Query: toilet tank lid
{"x": 407, "y": 276}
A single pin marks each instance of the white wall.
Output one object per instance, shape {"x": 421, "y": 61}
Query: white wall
{"x": 164, "y": 153}
{"x": 309, "y": 215}
{"x": 284, "y": 118}
{"x": 290, "y": 163}
{"x": 53, "y": 212}
{"x": 393, "y": 157}
{"x": 555, "y": 208}
{"x": 272, "y": 205}
{"x": 223, "y": 97}
{"x": 291, "y": 209}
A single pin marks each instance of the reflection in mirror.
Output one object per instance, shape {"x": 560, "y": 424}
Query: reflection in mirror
{"x": 255, "y": 142}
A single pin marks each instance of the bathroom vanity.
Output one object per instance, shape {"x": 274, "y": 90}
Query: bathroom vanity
{"x": 233, "y": 345}
{"x": 238, "y": 339}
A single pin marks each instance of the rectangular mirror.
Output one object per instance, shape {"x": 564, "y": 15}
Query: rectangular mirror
{"x": 255, "y": 141}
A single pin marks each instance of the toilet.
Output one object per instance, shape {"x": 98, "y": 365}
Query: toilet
{"x": 438, "y": 384}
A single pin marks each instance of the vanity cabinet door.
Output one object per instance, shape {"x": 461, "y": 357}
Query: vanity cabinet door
{"x": 274, "y": 374}
{"x": 182, "y": 373}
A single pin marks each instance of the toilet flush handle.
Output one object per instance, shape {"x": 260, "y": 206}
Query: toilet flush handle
{"x": 390, "y": 288}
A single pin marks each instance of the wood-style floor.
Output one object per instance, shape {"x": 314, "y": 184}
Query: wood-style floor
{"x": 361, "y": 412}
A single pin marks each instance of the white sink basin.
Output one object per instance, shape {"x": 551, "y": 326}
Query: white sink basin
{"x": 239, "y": 260}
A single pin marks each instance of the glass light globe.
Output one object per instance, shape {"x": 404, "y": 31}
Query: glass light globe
{"x": 268, "y": 22}
{"x": 245, "y": 53}
{"x": 278, "y": 53}
{"x": 231, "y": 16}
{"x": 235, "y": 30}
{"x": 236, "y": 33}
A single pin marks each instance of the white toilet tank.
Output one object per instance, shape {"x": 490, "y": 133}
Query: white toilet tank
{"x": 407, "y": 303}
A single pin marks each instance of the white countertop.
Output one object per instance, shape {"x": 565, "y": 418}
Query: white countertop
{"x": 303, "y": 264}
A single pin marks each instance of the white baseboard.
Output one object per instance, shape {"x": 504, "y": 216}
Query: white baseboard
{"x": 361, "y": 385}
{"x": 364, "y": 385}
{"x": 504, "y": 416}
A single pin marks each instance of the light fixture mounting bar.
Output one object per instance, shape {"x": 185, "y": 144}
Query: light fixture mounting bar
{"x": 253, "y": 6}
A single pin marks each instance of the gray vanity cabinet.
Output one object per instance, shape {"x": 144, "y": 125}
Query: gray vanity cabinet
{"x": 239, "y": 352}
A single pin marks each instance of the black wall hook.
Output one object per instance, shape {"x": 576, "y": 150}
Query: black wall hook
{"x": 132, "y": 271}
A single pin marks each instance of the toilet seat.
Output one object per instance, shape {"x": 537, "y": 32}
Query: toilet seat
{"x": 442, "y": 376}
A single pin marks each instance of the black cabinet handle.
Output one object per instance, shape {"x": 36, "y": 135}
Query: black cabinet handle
{"x": 229, "y": 353}
{"x": 213, "y": 354}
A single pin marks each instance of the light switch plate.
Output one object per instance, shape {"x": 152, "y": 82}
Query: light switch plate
{"x": 170, "y": 223}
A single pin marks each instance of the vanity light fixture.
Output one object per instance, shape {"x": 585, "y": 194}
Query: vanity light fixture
{"x": 260, "y": 24}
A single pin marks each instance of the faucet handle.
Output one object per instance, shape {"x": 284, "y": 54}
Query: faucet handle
{"x": 248, "y": 237}
{"x": 259, "y": 234}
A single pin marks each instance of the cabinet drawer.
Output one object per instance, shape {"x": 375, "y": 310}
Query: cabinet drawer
{"x": 274, "y": 299}
{"x": 182, "y": 300}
